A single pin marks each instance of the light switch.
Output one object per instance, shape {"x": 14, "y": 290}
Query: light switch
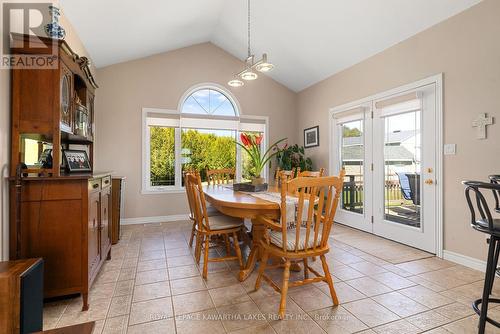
{"x": 450, "y": 149}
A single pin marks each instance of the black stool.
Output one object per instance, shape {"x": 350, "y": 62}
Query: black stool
{"x": 495, "y": 179}
{"x": 485, "y": 223}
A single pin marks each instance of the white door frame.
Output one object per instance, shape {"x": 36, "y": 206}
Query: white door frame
{"x": 438, "y": 81}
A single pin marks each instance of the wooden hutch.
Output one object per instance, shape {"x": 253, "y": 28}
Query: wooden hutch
{"x": 60, "y": 217}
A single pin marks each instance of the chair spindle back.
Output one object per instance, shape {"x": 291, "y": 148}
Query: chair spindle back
{"x": 220, "y": 176}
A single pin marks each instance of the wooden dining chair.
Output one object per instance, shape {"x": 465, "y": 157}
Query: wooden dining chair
{"x": 208, "y": 226}
{"x": 301, "y": 239}
{"x": 285, "y": 175}
{"x": 211, "y": 211}
{"x": 308, "y": 173}
{"x": 220, "y": 176}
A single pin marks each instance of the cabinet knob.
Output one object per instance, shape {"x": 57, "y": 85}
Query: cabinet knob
{"x": 95, "y": 186}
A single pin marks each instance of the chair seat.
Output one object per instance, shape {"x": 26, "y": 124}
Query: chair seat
{"x": 211, "y": 211}
{"x": 223, "y": 222}
{"x": 482, "y": 224}
{"x": 276, "y": 238}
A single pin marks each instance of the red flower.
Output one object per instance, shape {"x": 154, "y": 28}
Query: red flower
{"x": 258, "y": 139}
{"x": 245, "y": 140}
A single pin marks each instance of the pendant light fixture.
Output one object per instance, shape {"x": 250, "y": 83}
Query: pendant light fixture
{"x": 251, "y": 66}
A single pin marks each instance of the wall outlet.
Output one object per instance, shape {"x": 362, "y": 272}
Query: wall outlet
{"x": 450, "y": 149}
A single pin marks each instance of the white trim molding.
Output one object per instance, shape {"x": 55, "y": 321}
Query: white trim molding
{"x": 465, "y": 260}
{"x": 154, "y": 219}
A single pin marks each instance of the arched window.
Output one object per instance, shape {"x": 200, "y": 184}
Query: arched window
{"x": 209, "y": 101}
{"x": 200, "y": 135}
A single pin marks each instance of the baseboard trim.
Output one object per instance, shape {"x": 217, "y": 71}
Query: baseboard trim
{"x": 465, "y": 260}
{"x": 154, "y": 219}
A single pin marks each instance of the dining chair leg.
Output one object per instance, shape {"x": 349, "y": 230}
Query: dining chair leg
{"x": 193, "y": 231}
{"x": 262, "y": 268}
{"x": 490, "y": 270}
{"x": 228, "y": 245}
{"x": 237, "y": 249}
{"x": 197, "y": 250}
{"x": 284, "y": 289}
{"x": 205, "y": 258}
{"x": 329, "y": 280}
{"x": 306, "y": 271}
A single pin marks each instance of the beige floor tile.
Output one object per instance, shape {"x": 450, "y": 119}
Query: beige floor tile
{"x": 151, "y": 265}
{"x": 151, "y": 291}
{"x": 152, "y": 255}
{"x": 179, "y": 261}
{"x": 367, "y": 268}
{"x": 107, "y": 276}
{"x": 151, "y": 276}
{"x": 183, "y": 272}
{"x": 337, "y": 320}
{"x": 187, "y": 285}
{"x": 370, "y": 312}
{"x": 455, "y": 311}
{"x": 127, "y": 274}
{"x": 425, "y": 283}
{"x": 347, "y": 273}
{"x": 241, "y": 316}
{"x": 393, "y": 280}
{"x": 124, "y": 288}
{"x": 310, "y": 298}
{"x": 428, "y": 320}
{"x": 98, "y": 327}
{"x": 345, "y": 292}
{"x": 192, "y": 302}
{"x": 469, "y": 325}
{"x": 397, "y": 327}
{"x": 262, "y": 329}
{"x": 223, "y": 278}
{"x": 426, "y": 296}
{"x": 120, "y": 306}
{"x": 233, "y": 294}
{"x": 115, "y": 325}
{"x": 99, "y": 291}
{"x": 178, "y": 252}
{"x": 400, "y": 304}
{"x": 50, "y": 322}
{"x": 368, "y": 286}
{"x": 166, "y": 326}
{"x": 200, "y": 322}
{"x": 151, "y": 310}
{"x": 425, "y": 265}
{"x": 130, "y": 262}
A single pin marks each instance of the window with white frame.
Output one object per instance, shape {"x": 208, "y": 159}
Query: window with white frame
{"x": 200, "y": 135}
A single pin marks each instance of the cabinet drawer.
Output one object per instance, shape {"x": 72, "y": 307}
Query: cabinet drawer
{"x": 94, "y": 185}
{"x": 106, "y": 182}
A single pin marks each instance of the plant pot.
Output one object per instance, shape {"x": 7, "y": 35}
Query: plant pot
{"x": 258, "y": 180}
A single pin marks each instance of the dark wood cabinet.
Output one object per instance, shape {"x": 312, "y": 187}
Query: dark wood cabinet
{"x": 60, "y": 217}
{"x": 117, "y": 207}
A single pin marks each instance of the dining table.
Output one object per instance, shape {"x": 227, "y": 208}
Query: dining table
{"x": 243, "y": 205}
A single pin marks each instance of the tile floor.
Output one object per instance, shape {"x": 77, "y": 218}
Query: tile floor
{"x": 153, "y": 285}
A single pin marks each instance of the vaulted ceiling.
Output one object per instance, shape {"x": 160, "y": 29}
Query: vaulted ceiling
{"x": 307, "y": 40}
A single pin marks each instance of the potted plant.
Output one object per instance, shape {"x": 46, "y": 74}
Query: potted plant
{"x": 293, "y": 156}
{"x": 251, "y": 144}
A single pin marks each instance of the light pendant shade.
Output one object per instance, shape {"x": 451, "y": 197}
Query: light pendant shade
{"x": 236, "y": 83}
{"x": 264, "y": 67}
{"x": 249, "y": 75}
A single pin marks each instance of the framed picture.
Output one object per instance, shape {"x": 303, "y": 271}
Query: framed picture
{"x": 77, "y": 161}
{"x": 311, "y": 137}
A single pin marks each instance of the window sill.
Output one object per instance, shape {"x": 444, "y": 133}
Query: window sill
{"x": 163, "y": 191}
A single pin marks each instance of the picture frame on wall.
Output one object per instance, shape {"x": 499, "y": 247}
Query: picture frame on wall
{"x": 77, "y": 161}
{"x": 311, "y": 137}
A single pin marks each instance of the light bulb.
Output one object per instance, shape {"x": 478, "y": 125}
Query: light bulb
{"x": 249, "y": 75}
{"x": 236, "y": 83}
{"x": 264, "y": 67}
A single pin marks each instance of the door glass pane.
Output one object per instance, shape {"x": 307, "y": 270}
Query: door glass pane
{"x": 352, "y": 156}
{"x": 402, "y": 165}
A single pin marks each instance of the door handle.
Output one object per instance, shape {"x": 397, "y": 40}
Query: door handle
{"x": 429, "y": 181}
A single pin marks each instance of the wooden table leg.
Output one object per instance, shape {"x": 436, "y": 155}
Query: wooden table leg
{"x": 255, "y": 254}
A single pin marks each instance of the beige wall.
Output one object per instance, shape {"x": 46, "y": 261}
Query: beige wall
{"x": 77, "y": 46}
{"x": 466, "y": 49}
{"x": 160, "y": 81}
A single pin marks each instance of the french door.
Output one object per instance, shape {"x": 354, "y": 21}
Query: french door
{"x": 387, "y": 147}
